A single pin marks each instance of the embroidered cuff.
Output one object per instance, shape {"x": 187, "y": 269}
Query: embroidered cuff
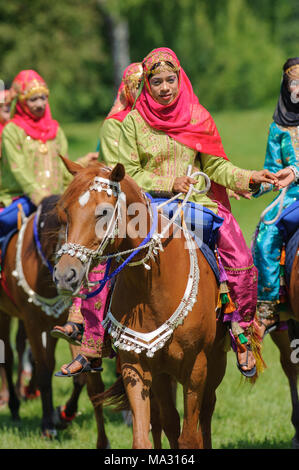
{"x": 296, "y": 173}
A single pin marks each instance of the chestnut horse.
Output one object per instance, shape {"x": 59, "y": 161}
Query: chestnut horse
{"x": 162, "y": 332}
{"x": 28, "y": 293}
{"x": 286, "y": 341}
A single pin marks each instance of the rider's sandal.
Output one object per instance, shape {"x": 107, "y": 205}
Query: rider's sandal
{"x": 75, "y": 337}
{"x": 269, "y": 328}
{"x": 86, "y": 367}
{"x": 247, "y": 373}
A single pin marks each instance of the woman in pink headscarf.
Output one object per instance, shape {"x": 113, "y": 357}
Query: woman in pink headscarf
{"x": 31, "y": 143}
{"x": 168, "y": 131}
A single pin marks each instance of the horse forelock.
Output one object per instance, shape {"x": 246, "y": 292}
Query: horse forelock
{"x": 84, "y": 178}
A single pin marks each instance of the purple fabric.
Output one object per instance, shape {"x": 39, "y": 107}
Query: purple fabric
{"x": 237, "y": 261}
{"x": 93, "y": 310}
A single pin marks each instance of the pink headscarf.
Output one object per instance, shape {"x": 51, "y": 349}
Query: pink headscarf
{"x": 124, "y": 99}
{"x": 184, "y": 119}
{"x": 26, "y": 84}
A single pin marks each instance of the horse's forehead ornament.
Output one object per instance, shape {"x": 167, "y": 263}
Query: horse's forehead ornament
{"x": 100, "y": 184}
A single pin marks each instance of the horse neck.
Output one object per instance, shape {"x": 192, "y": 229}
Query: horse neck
{"x": 37, "y": 274}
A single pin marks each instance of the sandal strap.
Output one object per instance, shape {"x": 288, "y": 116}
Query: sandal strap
{"x": 83, "y": 361}
{"x": 76, "y": 327}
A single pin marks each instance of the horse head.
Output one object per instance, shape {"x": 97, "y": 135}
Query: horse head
{"x": 92, "y": 208}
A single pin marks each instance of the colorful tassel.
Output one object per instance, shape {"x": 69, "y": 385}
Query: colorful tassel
{"x": 283, "y": 256}
{"x": 229, "y": 304}
{"x": 256, "y": 347}
{"x": 242, "y": 338}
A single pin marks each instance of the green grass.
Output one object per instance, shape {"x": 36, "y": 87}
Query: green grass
{"x": 245, "y": 417}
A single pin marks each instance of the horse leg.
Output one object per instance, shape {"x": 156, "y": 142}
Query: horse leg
{"x": 156, "y": 426}
{"x": 64, "y": 415}
{"x": 44, "y": 358}
{"x": 95, "y": 386}
{"x": 281, "y": 339}
{"x": 13, "y": 402}
{"x": 217, "y": 360}
{"x": 163, "y": 389}
{"x": 137, "y": 382}
{"x": 191, "y": 435}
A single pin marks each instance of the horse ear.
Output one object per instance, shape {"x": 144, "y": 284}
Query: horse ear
{"x": 118, "y": 173}
{"x": 72, "y": 167}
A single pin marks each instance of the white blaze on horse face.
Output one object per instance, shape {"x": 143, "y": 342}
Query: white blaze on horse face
{"x": 84, "y": 198}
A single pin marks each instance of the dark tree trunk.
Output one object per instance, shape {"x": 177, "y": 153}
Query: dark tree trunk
{"x": 119, "y": 37}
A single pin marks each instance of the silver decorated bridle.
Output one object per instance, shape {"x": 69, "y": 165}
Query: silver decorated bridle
{"x": 123, "y": 337}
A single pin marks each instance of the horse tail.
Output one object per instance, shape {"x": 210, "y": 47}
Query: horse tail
{"x": 114, "y": 396}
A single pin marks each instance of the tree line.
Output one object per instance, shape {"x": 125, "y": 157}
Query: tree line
{"x": 232, "y": 50}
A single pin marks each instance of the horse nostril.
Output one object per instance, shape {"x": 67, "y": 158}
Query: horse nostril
{"x": 72, "y": 275}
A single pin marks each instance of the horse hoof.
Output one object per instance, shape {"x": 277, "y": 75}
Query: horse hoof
{"x": 60, "y": 419}
{"x": 49, "y": 434}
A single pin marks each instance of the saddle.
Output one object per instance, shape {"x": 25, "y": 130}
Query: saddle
{"x": 202, "y": 224}
{"x": 9, "y": 222}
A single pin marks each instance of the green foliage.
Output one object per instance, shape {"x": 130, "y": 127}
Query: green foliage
{"x": 233, "y": 50}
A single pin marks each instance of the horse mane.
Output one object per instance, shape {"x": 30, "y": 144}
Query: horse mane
{"x": 49, "y": 225}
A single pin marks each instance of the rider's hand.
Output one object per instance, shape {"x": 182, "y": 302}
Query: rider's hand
{"x": 285, "y": 177}
{"x": 263, "y": 176}
{"x": 238, "y": 194}
{"x": 90, "y": 157}
{"x": 182, "y": 184}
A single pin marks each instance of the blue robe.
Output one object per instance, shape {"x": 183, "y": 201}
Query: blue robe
{"x": 282, "y": 151}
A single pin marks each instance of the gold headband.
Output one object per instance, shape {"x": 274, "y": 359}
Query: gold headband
{"x": 293, "y": 71}
{"x": 35, "y": 87}
{"x": 162, "y": 67}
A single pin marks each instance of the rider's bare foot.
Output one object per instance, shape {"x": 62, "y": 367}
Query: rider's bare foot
{"x": 267, "y": 324}
{"x": 246, "y": 360}
{"x": 73, "y": 367}
{"x": 71, "y": 331}
{"x": 80, "y": 364}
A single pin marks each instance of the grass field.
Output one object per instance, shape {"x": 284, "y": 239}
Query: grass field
{"x": 246, "y": 417}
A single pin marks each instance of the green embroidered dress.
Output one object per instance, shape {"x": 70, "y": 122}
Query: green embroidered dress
{"x": 154, "y": 159}
{"x": 30, "y": 168}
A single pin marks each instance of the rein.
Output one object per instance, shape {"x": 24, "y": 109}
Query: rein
{"x": 45, "y": 261}
{"x": 53, "y": 306}
{"x": 131, "y": 256}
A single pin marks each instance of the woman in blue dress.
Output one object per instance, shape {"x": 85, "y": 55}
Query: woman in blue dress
{"x": 282, "y": 158}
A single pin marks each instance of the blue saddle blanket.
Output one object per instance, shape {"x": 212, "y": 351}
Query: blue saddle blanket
{"x": 202, "y": 224}
{"x": 288, "y": 221}
{"x": 9, "y": 221}
{"x": 291, "y": 250}
{"x": 9, "y": 215}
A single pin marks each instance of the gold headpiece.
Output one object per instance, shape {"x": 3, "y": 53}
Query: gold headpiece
{"x": 35, "y": 86}
{"x": 293, "y": 72}
{"x": 162, "y": 67}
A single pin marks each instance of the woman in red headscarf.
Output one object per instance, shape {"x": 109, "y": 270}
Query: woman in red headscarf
{"x": 31, "y": 143}
{"x": 4, "y": 111}
{"x": 127, "y": 92}
{"x": 168, "y": 131}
